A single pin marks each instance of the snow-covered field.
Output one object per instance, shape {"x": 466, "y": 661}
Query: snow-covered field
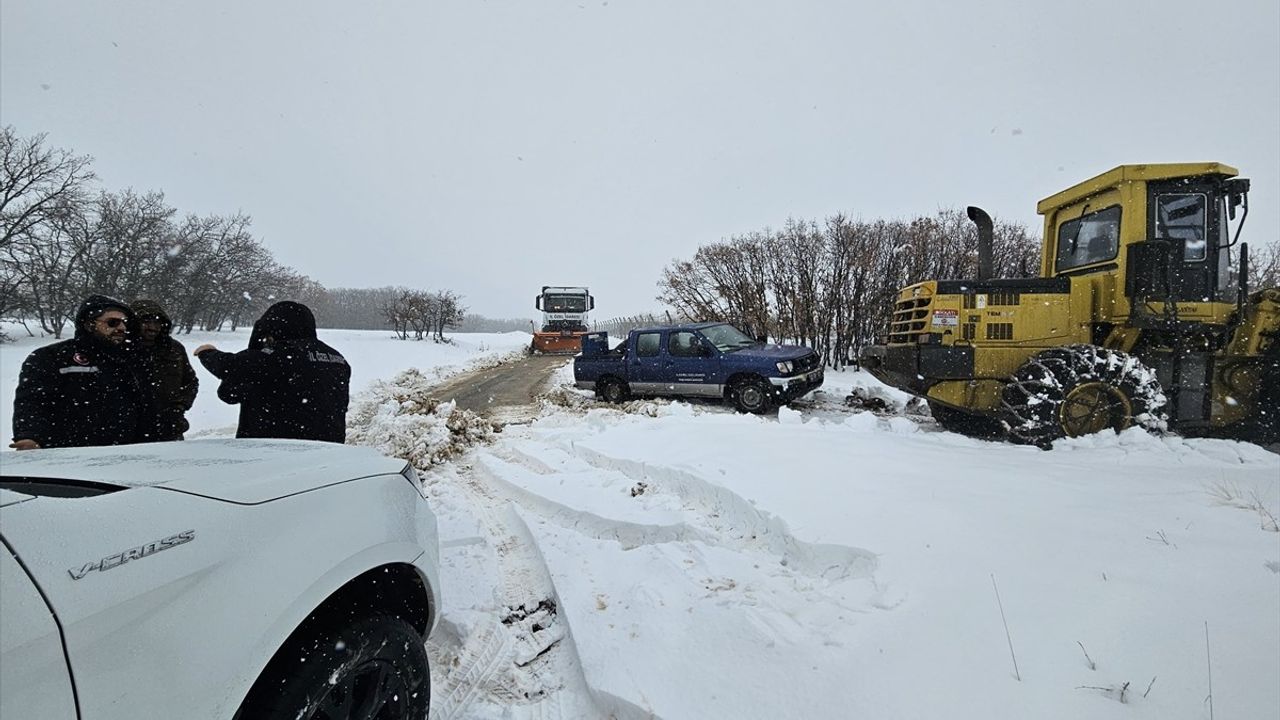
{"x": 672, "y": 560}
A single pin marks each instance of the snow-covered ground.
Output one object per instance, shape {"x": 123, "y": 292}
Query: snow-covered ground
{"x": 674, "y": 560}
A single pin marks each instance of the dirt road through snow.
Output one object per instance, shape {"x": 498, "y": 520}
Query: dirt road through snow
{"x": 504, "y": 392}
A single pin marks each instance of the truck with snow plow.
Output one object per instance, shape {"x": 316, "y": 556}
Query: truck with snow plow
{"x": 708, "y": 360}
{"x": 564, "y": 319}
{"x": 1142, "y": 315}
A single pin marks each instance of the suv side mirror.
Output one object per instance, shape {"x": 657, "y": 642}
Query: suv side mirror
{"x": 708, "y": 351}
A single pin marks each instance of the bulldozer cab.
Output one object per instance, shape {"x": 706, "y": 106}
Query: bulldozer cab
{"x": 1143, "y": 234}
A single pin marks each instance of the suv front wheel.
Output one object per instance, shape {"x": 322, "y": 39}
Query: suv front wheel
{"x": 375, "y": 668}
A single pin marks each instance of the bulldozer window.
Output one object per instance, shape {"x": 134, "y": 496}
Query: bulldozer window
{"x": 1182, "y": 216}
{"x": 1089, "y": 239}
{"x": 648, "y": 344}
{"x": 1228, "y": 273}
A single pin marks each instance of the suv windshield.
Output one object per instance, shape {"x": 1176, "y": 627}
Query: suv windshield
{"x": 727, "y": 338}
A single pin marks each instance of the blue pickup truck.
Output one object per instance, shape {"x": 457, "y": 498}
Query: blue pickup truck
{"x": 710, "y": 360}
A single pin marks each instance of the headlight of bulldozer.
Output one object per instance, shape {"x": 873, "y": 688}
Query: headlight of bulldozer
{"x": 930, "y": 338}
{"x": 784, "y": 367}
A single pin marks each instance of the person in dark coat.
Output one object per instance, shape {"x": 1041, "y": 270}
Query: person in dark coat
{"x": 168, "y": 380}
{"x": 81, "y": 391}
{"x": 288, "y": 384}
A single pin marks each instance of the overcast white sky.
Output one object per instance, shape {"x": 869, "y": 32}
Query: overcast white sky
{"x": 494, "y": 147}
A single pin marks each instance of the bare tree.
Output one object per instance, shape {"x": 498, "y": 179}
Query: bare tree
{"x": 36, "y": 182}
{"x": 1264, "y": 266}
{"x": 39, "y": 187}
{"x": 125, "y": 248}
{"x": 45, "y": 261}
{"x": 397, "y": 311}
{"x": 445, "y": 311}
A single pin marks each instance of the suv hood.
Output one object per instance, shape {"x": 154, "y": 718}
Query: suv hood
{"x": 235, "y": 470}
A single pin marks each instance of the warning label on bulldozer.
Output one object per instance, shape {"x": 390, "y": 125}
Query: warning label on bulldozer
{"x": 947, "y": 318}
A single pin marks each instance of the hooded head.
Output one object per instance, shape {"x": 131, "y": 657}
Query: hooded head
{"x": 283, "y": 321}
{"x": 94, "y": 307}
{"x": 153, "y": 321}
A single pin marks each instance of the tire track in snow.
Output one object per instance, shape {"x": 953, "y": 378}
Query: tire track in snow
{"x": 629, "y": 535}
{"x": 732, "y": 521}
{"x": 479, "y": 660}
{"x": 526, "y": 660}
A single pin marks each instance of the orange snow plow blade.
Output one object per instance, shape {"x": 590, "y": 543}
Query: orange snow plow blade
{"x": 552, "y": 343}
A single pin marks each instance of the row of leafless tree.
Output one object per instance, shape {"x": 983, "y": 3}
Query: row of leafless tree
{"x": 379, "y": 308}
{"x": 62, "y": 238}
{"x": 830, "y": 284}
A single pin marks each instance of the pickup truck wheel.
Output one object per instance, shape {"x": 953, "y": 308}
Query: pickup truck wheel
{"x": 611, "y": 390}
{"x": 750, "y": 396}
{"x": 375, "y": 668}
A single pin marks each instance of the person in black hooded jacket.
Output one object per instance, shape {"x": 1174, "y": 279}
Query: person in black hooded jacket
{"x": 288, "y": 384}
{"x": 167, "y": 377}
{"x": 81, "y": 391}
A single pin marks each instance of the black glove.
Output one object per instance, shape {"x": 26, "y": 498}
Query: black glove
{"x": 173, "y": 423}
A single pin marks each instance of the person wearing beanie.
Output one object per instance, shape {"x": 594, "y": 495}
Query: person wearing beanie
{"x": 81, "y": 391}
{"x": 168, "y": 380}
{"x": 288, "y": 383}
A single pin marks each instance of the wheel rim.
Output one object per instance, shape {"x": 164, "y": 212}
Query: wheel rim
{"x": 373, "y": 690}
{"x": 1093, "y": 407}
{"x": 613, "y": 392}
{"x": 751, "y": 396}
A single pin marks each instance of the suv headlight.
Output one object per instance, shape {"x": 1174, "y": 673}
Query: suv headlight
{"x": 784, "y": 367}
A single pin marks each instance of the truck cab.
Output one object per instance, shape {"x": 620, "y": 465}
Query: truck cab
{"x": 708, "y": 360}
{"x": 564, "y": 319}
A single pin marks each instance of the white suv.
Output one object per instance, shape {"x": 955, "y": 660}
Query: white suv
{"x": 214, "y": 579}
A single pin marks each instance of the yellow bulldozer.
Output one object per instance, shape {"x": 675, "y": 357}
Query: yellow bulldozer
{"x": 1142, "y": 315}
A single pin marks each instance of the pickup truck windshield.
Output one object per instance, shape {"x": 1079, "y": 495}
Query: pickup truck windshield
{"x": 727, "y": 338}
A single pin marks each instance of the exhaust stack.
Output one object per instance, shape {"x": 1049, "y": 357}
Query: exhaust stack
{"x": 986, "y": 235}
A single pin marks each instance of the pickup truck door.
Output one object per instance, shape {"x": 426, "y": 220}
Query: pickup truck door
{"x": 646, "y": 370}
{"x": 689, "y": 366}
{"x": 33, "y": 668}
